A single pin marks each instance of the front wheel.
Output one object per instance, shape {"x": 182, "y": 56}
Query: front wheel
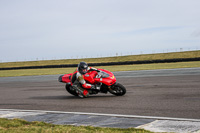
{"x": 117, "y": 89}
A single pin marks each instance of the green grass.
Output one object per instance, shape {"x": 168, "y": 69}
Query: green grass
{"x": 188, "y": 54}
{"x": 22, "y": 126}
{"x": 52, "y": 71}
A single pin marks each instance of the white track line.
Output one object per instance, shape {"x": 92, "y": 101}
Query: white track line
{"x": 100, "y": 114}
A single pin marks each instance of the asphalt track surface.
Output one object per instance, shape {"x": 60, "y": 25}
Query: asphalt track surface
{"x": 161, "y": 93}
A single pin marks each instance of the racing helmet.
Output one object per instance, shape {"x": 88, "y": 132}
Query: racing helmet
{"x": 82, "y": 67}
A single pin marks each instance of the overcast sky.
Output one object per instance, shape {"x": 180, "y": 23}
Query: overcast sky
{"x": 57, "y": 29}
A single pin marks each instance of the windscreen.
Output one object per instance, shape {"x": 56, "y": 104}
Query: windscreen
{"x": 103, "y": 74}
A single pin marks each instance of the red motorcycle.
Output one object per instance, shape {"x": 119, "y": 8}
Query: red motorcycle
{"x": 104, "y": 79}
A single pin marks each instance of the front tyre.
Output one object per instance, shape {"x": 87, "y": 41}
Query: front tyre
{"x": 117, "y": 89}
{"x": 69, "y": 88}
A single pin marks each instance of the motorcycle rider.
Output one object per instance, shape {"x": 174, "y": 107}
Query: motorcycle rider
{"x": 79, "y": 82}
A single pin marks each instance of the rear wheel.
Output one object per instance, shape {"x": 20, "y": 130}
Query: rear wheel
{"x": 117, "y": 89}
{"x": 71, "y": 90}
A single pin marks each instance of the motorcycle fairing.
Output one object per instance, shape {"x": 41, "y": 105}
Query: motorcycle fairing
{"x": 91, "y": 77}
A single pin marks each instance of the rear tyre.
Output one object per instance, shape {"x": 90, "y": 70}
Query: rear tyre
{"x": 117, "y": 89}
{"x": 71, "y": 90}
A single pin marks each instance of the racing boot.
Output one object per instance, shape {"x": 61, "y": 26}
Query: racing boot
{"x": 82, "y": 93}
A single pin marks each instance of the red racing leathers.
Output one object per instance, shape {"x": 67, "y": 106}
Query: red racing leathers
{"x": 79, "y": 82}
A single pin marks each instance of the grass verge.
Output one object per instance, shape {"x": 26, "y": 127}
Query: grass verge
{"x": 160, "y": 56}
{"x": 22, "y": 126}
{"x": 52, "y": 71}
